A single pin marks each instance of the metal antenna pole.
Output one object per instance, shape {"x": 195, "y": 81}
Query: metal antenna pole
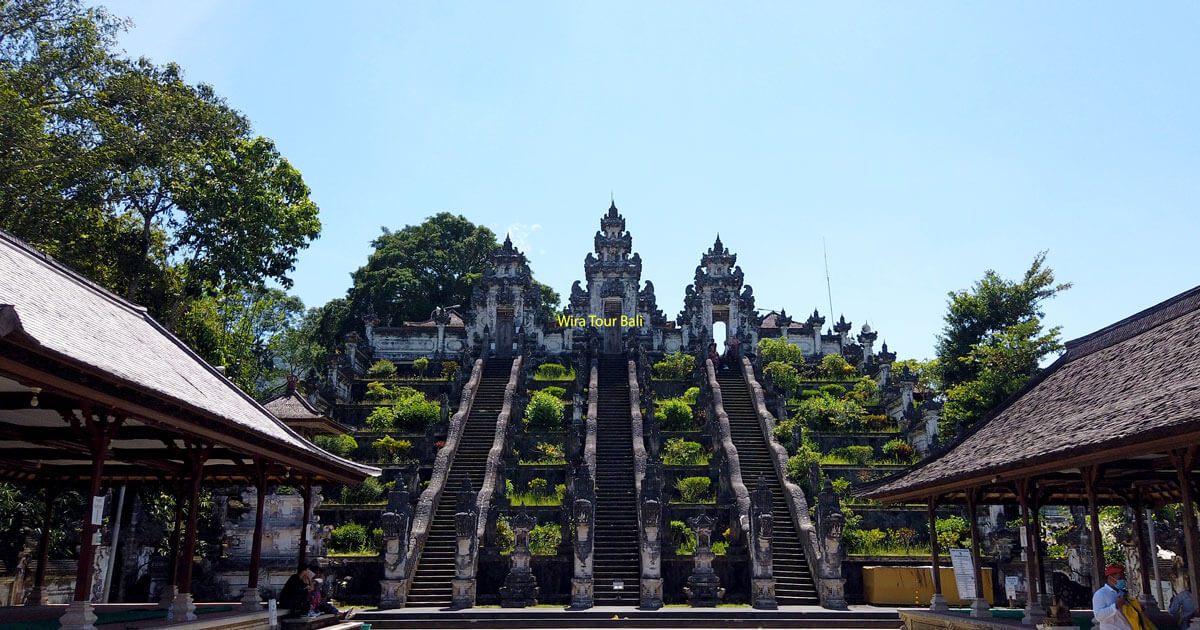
{"x": 828, "y": 284}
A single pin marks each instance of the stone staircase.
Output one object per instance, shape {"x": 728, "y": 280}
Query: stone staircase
{"x": 431, "y": 584}
{"x": 616, "y": 538}
{"x": 793, "y": 580}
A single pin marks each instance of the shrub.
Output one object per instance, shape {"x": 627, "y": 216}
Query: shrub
{"x": 872, "y": 538}
{"x": 350, "y": 537}
{"x": 449, "y": 370}
{"x": 676, "y": 366}
{"x": 860, "y": 455}
{"x": 785, "y": 433}
{"x": 391, "y": 450}
{"x": 826, "y": 412}
{"x": 877, "y": 422}
{"x": 798, "y": 464}
{"x": 833, "y": 389}
{"x": 537, "y": 485}
{"x": 548, "y": 453}
{"x": 552, "y": 372}
{"x": 950, "y": 531}
{"x": 679, "y": 452}
{"x": 772, "y": 350}
{"x": 693, "y": 489}
{"x": 903, "y": 537}
{"x": 835, "y": 366}
{"x": 865, "y": 388}
{"x": 786, "y": 377}
{"x": 504, "y": 536}
{"x": 841, "y": 487}
{"x": 554, "y": 390}
{"x": 340, "y": 445}
{"x": 809, "y": 393}
{"x": 420, "y": 366}
{"x": 379, "y": 392}
{"x": 382, "y": 419}
{"x": 690, "y": 395}
{"x": 545, "y": 539}
{"x": 414, "y": 413}
{"x": 674, "y": 414}
{"x": 382, "y": 369}
{"x": 898, "y": 450}
{"x": 683, "y": 538}
{"x": 544, "y": 412}
{"x": 369, "y": 491}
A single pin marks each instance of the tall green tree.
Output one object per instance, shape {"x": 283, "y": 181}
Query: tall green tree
{"x": 152, "y": 186}
{"x": 993, "y": 342}
{"x": 244, "y": 331}
{"x": 419, "y": 267}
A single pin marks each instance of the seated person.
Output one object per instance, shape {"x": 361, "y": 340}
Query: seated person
{"x": 296, "y": 596}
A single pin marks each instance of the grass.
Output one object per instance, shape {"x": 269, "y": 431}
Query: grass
{"x": 362, "y": 553}
{"x": 838, "y": 460}
{"x": 543, "y": 461}
{"x": 569, "y": 377}
{"x": 892, "y": 550}
{"x": 533, "y": 499}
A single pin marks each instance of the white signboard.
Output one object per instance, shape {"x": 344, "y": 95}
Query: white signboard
{"x": 964, "y": 572}
{"x": 1011, "y": 582}
{"x": 97, "y": 510}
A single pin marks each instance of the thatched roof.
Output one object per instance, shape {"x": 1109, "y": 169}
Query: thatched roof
{"x": 1125, "y": 392}
{"x": 60, "y": 331}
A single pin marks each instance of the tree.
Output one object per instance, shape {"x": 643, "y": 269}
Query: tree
{"x": 420, "y": 267}
{"x": 993, "y": 343}
{"x": 239, "y": 330}
{"x": 991, "y": 306}
{"x": 414, "y": 270}
{"x": 152, "y": 186}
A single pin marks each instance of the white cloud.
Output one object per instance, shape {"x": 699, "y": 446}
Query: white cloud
{"x": 521, "y": 234}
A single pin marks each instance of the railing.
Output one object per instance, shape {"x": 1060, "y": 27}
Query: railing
{"x": 635, "y": 413}
{"x": 500, "y": 446}
{"x": 724, "y": 441}
{"x": 427, "y": 503}
{"x": 792, "y": 493}
{"x": 589, "y": 439}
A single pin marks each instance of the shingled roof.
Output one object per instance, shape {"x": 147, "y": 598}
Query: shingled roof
{"x": 1132, "y": 388}
{"x": 295, "y": 411}
{"x": 50, "y": 310}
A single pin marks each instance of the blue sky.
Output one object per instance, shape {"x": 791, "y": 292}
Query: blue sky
{"x": 922, "y": 142}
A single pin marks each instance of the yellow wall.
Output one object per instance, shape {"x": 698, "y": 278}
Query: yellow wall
{"x": 913, "y": 586}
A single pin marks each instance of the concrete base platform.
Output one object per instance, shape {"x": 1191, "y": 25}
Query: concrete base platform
{"x": 867, "y": 617}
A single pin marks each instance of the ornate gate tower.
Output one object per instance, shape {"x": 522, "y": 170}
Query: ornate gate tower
{"x": 613, "y": 281}
{"x": 718, "y": 295}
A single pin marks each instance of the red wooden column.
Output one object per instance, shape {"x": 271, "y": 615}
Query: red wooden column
{"x": 98, "y": 433}
{"x": 251, "y": 599}
{"x": 1091, "y": 475}
{"x": 1034, "y": 613}
{"x": 1146, "y": 555}
{"x": 184, "y": 608}
{"x": 1039, "y": 561}
{"x": 938, "y": 601}
{"x": 979, "y": 607}
{"x": 303, "y": 555}
{"x": 37, "y": 597}
{"x": 1184, "y": 459}
{"x": 172, "y": 587}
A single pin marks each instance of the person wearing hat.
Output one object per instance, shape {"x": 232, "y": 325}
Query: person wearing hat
{"x": 1113, "y": 608}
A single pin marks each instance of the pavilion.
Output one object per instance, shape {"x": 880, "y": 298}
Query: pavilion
{"x": 93, "y": 390}
{"x": 1114, "y": 421}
